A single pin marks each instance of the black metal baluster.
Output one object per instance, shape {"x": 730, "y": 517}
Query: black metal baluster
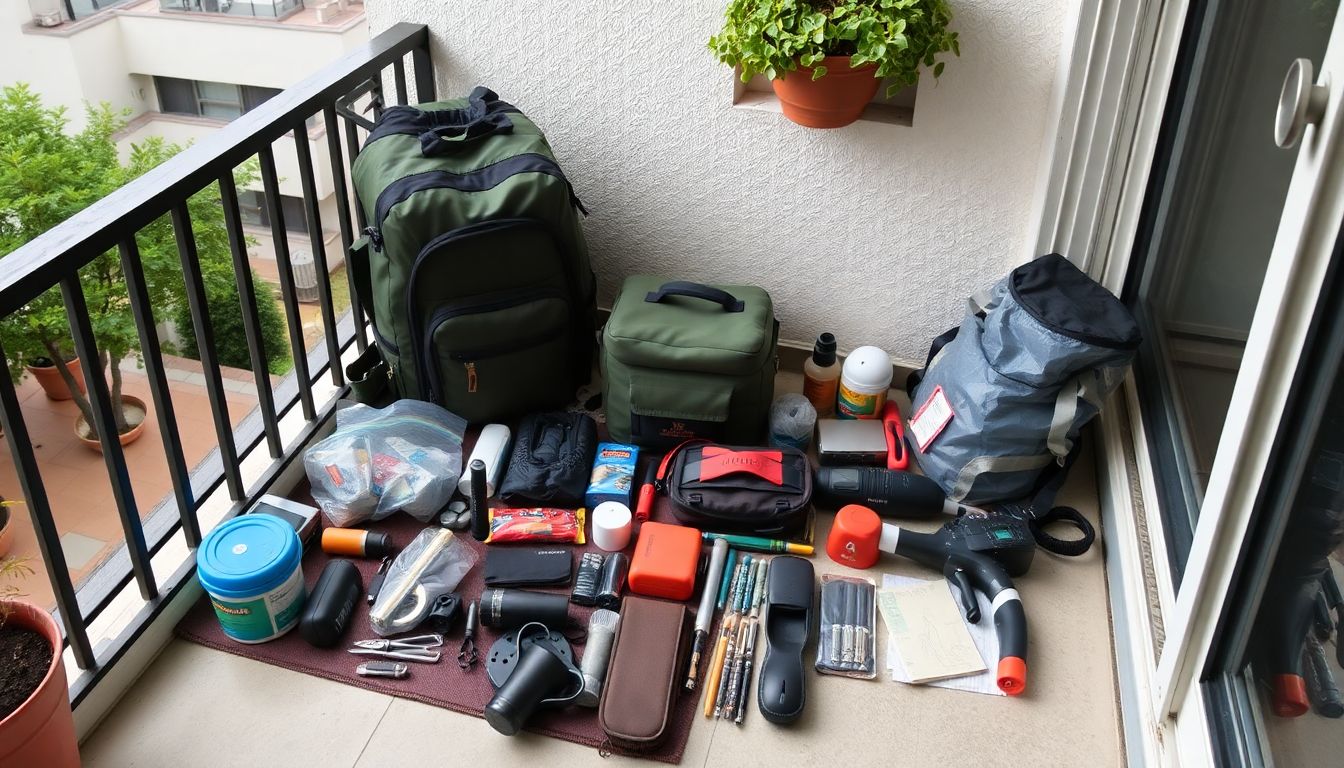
{"x": 271, "y": 186}
{"x": 105, "y": 424}
{"x": 318, "y": 240}
{"x": 424, "y": 74}
{"x": 247, "y": 297}
{"x": 205, "y": 347}
{"x": 143, "y": 311}
{"x": 39, "y": 509}
{"x": 343, "y": 214}
{"x": 352, "y": 149}
{"x": 399, "y": 78}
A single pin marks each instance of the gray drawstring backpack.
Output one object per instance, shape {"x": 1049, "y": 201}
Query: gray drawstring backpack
{"x": 999, "y": 404}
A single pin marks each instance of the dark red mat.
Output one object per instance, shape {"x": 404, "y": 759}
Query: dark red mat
{"x": 442, "y": 684}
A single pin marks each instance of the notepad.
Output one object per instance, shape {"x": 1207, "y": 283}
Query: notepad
{"x": 928, "y": 633}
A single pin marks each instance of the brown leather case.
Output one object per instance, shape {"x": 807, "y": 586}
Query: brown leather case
{"x": 643, "y": 677}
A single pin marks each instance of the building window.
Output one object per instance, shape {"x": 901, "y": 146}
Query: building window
{"x": 79, "y": 9}
{"x": 252, "y": 206}
{"x": 224, "y": 101}
{"x": 266, "y": 9}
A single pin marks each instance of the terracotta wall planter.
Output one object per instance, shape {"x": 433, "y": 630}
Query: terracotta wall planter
{"x": 41, "y": 732}
{"x": 52, "y": 383}
{"x": 834, "y": 101}
{"x": 136, "y": 414}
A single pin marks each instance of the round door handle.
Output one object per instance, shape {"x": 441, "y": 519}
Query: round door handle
{"x": 1301, "y": 103}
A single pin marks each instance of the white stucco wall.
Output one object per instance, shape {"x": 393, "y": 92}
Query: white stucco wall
{"x": 874, "y": 232}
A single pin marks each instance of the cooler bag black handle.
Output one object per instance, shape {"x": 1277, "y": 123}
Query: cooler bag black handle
{"x": 450, "y": 128}
{"x": 728, "y": 301}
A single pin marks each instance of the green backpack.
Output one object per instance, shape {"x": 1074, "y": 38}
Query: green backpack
{"x": 473, "y": 267}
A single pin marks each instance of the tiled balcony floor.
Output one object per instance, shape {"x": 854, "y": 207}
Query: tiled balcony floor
{"x": 200, "y": 707}
{"x": 75, "y": 476}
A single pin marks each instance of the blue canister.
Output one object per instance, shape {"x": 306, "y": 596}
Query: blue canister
{"x": 251, "y": 567}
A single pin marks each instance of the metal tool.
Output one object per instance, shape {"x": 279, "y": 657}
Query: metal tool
{"x": 376, "y": 583}
{"x": 466, "y": 655}
{"x": 393, "y": 669}
{"x": 417, "y": 648}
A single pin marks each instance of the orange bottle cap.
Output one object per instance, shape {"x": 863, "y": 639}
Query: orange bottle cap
{"x": 854, "y": 536}
{"x": 1290, "y": 696}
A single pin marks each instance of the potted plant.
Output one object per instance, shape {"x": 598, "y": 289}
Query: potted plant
{"x": 53, "y": 383}
{"x": 36, "y": 725}
{"x": 826, "y": 58}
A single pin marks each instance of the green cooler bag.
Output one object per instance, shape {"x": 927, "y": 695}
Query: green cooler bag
{"x": 683, "y": 360}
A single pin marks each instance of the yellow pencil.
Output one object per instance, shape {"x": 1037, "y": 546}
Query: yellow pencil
{"x": 716, "y": 666}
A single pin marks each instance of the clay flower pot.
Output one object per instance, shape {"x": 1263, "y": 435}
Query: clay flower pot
{"x": 136, "y": 414}
{"x": 42, "y": 730}
{"x": 834, "y": 101}
{"x": 52, "y": 383}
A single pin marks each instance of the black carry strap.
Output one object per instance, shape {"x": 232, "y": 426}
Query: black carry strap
{"x": 370, "y": 378}
{"x": 449, "y": 129}
{"x": 1039, "y": 511}
{"x": 358, "y": 260}
{"x": 939, "y": 342}
{"x": 728, "y": 301}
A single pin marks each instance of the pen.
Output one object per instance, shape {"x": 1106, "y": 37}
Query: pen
{"x": 727, "y": 673}
{"x": 729, "y": 572}
{"x": 759, "y": 544}
{"x": 705, "y": 615}
{"x": 721, "y": 648}
{"x": 746, "y": 673}
{"x": 758, "y": 599}
{"x": 735, "y": 679}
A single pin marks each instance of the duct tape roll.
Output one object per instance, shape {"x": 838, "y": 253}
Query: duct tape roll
{"x": 596, "y": 653}
{"x": 611, "y": 526}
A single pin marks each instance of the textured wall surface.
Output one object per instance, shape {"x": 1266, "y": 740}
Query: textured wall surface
{"x": 875, "y": 232}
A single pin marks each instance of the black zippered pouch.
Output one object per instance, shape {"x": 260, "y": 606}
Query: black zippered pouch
{"x": 735, "y": 489}
{"x": 543, "y": 567}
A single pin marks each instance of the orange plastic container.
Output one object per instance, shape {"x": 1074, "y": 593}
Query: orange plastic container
{"x": 665, "y": 561}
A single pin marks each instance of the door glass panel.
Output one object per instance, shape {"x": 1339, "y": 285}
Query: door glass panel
{"x": 1209, "y": 226}
{"x": 1296, "y": 660}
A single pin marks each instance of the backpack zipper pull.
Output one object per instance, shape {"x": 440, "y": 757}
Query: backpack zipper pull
{"x": 471, "y": 376}
{"x": 375, "y": 237}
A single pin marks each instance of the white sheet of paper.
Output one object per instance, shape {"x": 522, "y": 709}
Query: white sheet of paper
{"x": 982, "y": 634}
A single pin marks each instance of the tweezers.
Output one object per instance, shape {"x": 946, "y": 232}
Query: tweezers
{"x": 417, "y": 648}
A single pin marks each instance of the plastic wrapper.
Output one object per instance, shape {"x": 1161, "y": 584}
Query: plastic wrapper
{"x": 431, "y": 566}
{"x": 406, "y": 457}
{"x": 543, "y": 524}
{"x": 847, "y": 644}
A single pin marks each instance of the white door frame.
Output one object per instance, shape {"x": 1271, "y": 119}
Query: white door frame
{"x": 1115, "y": 93}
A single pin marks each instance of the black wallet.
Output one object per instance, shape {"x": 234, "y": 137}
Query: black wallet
{"x": 528, "y": 566}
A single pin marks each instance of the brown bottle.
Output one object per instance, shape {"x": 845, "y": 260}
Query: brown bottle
{"x": 821, "y": 376}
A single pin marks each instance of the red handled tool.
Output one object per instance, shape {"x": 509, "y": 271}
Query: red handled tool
{"x": 893, "y": 429}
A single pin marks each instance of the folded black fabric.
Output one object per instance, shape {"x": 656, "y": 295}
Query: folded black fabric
{"x": 551, "y": 460}
{"x": 528, "y": 566}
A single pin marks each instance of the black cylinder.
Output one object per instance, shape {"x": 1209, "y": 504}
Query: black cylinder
{"x": 480, "y": 511}
{"x": 509, "y": 608}
{"x": 540, "y": 674}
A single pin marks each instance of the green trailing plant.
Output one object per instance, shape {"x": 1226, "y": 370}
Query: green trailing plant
{"x": 221, "y": 291}
{"x": 775, "y": 37}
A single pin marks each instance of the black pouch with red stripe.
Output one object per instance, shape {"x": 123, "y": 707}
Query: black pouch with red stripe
{"x": 734, "y": 489}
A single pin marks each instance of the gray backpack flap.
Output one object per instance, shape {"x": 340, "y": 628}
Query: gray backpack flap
{"x": 1032, "y": 362}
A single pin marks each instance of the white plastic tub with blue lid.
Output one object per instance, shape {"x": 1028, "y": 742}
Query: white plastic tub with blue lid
{"x": 251, "y": 567}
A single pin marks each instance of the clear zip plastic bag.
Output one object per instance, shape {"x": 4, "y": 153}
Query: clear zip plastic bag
{"x": 406, "y": 457}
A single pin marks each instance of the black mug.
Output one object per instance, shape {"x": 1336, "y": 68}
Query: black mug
{"x": 540, "y": 678}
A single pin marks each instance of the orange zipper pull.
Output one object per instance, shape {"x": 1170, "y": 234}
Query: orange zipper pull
{"x": 471, "y": 377}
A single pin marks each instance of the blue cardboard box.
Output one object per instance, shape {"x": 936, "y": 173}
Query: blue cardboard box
{"x": 613, "y": 477}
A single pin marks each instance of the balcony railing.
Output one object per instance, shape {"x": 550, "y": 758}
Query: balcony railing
{"x": 110, "y": 225}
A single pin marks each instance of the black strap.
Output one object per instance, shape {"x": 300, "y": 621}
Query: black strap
{"x": 941, "y": 341}
{"x": 728, "y": 301}
{"x": 359, "y": 268}
{"x": 1039, "y": 510}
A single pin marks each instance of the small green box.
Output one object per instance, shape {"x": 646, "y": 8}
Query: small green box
{"x": 683, "y": 360}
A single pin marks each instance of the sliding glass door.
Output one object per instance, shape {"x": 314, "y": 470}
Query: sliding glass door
{"x": 1236, "y": 280}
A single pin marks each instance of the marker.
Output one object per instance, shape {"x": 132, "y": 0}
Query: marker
{"x": 759, "y": 544}
{"x": 729, "y": 571}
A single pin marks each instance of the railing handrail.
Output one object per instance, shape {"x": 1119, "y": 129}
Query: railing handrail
{"x": 40, "y": 263}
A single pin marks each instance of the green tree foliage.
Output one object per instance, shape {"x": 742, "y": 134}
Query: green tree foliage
{"x": 221, "y": 290}
{"x": 48, "y": 175}
{"x": 775, "y": 37}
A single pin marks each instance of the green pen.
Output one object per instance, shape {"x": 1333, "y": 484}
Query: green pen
{"x": 729, "y": 569}
{"x": 759, "y": 544}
